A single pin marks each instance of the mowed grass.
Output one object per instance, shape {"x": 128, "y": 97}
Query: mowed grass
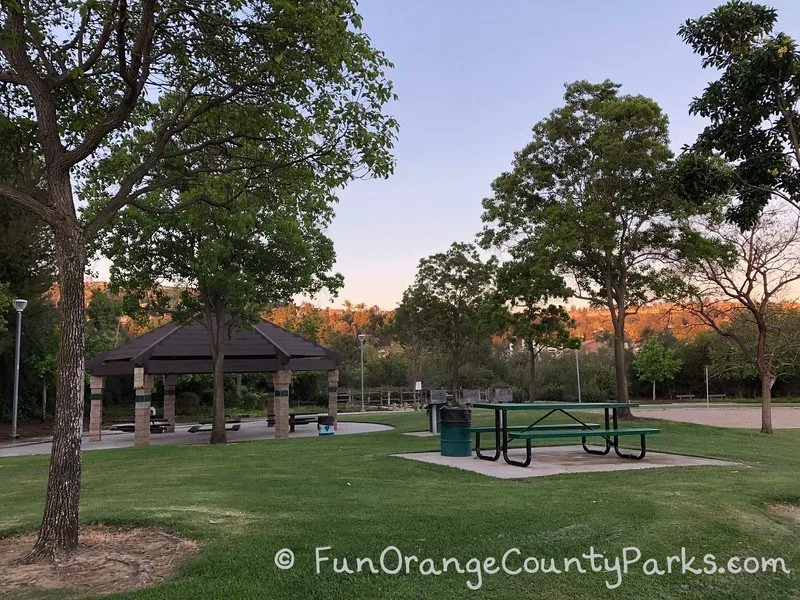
{"x": 243, "y": 502}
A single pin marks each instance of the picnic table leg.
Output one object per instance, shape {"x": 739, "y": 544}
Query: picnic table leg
{"x": 520, "y": 463}
{"x": 597, "y": 452}
{"x": 511, "y": 461}
{"x": 608, "y": 444}
{"x": 642, "y": 450}
{"x": 497, "y": 427}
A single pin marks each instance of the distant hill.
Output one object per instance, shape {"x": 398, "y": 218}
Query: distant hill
{"x": 654, "y": 317}
{"x": 322, "y": 324}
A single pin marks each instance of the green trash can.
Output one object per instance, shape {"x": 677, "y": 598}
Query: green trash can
{"x": 455, "y": 435}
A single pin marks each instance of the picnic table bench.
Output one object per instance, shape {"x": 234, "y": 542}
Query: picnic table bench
{"x": 684, "y": 397}
{"x": 156, "y": 426}
{"x": 203, "y": 426}
{"x": 716, "y": 396}
{"x": 610, "y": 432}
{"x": 295, "y": 419}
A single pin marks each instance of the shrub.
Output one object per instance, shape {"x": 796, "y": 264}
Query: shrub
{"x": 187, "y": 403}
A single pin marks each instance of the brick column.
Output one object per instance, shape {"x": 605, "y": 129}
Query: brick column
{"x": 333, "y": 397}
{"x": 170, "y": 381}
{"x": 96, "y": 408}
{"x": 281, "y": 380}
{"x": 144, "y": 388}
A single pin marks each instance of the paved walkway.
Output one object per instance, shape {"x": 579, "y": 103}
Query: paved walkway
{"x": 739, "y": 417}
{"x": 255, "y": 429}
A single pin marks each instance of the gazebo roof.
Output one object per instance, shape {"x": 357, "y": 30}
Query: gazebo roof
{"x": 185, "y": 349}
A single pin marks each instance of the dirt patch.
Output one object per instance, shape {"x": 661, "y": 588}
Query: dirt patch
{"x": 108, "y": 560}
{"x": 789, "y": 511}
{"x": 27, "y": 428}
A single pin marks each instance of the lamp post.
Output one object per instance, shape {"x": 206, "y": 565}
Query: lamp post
{"x": 361, "y": 338}
{"x": 578, "y": 373}
{"x": 19, "y": 305}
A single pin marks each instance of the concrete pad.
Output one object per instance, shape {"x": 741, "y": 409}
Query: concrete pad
{"x": 739, "y": 417}
{"x": 255, "y": 429}
{"x": 559, "y": 460}
{"x": 422, "y": 434}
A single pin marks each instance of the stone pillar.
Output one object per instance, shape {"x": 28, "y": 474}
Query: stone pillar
{"x": 281, "y": 380}
{"x": 96, "y": 408}
{"x": 170, "y": 381}
{"x": 333, "y": 397}
{"x": 270, "y": 396}
{"x": 144, "y": 388}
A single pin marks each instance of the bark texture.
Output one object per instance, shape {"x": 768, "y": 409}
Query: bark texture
{"x": 58, "y": 535}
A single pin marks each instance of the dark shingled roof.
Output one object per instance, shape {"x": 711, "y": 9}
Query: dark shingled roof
{"x": 182, "y": 349}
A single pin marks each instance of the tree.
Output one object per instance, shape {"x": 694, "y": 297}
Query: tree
{"x": 590, "y": 193}
{"x": 145, "y": 88}
{"x": 228, "y": 263}
{"x": 752, "y": 108}
{"x": 452, "y": 304}
{"x": 782, "y": 347}
{"x": 746, "y": 285}
{"x": 524, "y": 286}
{"x": 104, "y": 329}
{"x": 655, "y": 362}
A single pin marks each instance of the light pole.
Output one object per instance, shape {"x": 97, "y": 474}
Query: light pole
{"x": 578, "y": 373}
{"x": 19, "y": 305}
{"x": 361, "y": 338}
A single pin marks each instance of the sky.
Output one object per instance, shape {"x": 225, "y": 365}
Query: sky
{"x": 473, "y": 77}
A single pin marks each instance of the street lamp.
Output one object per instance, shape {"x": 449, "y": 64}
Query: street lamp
{"x": 361, "y": 338}
{"x": 19, "y": 305}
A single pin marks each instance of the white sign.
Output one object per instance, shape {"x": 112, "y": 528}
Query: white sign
{"x": 418, "y": 386}
{"x": 138, "y": 377}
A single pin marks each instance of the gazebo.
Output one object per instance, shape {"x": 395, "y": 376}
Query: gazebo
{"x": 172, "y": 350}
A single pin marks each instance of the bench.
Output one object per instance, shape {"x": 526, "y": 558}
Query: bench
{"x": 203, "y": 426}
{"x": 295, "y": 419}
{"x": 610, "y": 436}
{"x": 716, "y": 396}
{"x": 684, "y": 397}
{"x": 156, "y": 426}
{"x": 479, "y": 430}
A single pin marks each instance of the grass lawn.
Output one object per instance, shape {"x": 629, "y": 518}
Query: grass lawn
{"x": 243, "y": 502}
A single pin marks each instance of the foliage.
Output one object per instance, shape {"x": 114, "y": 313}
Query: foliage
{"x": 452, "y": 304}
{"x": 752, "y": 108}
{"x": 187, "y": 403}
{"x": 145, "y": 103}
{"x": 782, "y": 345}
{"x": 525, "y": 286}
{"x": 104, "y": 327}
{"x": 228, "y": 263}
{"x": 591, "y": 192}
{"x": 745, "y": 283}
{"x": 655, "y": 362}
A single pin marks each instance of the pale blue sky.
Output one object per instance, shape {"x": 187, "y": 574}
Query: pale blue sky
{"x": 473, "y": 76}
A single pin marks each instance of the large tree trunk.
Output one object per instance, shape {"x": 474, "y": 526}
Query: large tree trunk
{"x": 218, "y": 434}
{"x": 620, "y": 366}
{"x": 532, "y": 367}
{"x": 58, "y": 535}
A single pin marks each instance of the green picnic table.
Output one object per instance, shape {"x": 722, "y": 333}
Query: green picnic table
{"x": 610, "y": 432}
